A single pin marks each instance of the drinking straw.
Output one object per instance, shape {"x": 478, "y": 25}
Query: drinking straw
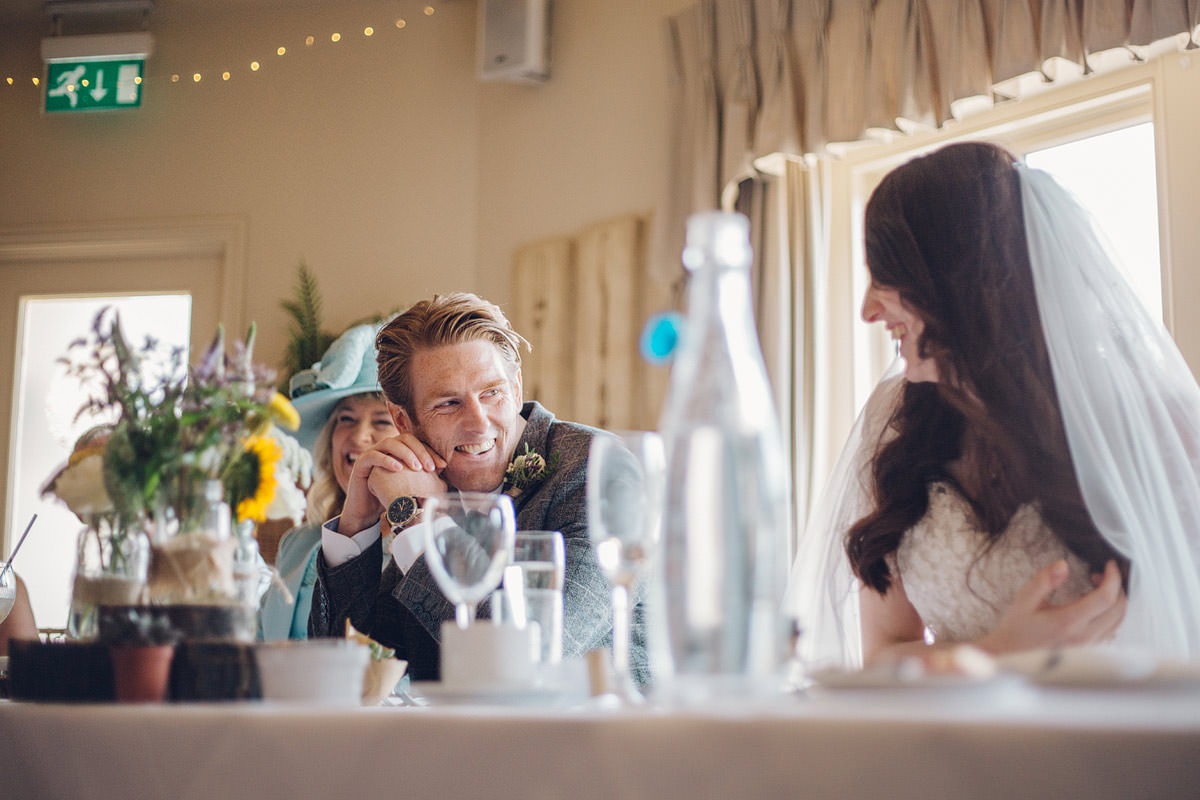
{"x": 21, "y": 541}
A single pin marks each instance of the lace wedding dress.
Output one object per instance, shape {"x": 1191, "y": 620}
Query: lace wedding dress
{"x": 961, "y": 582}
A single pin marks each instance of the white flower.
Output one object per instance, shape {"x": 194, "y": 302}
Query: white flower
{"x": 81, "y": 486}
{"x": 288, "y": 502}
{"x": 293, "y": 472}
{"x": 296, "y": 461}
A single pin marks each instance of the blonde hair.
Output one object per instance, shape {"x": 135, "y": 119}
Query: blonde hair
{"x": 447, "y": 319}
{"x": 325, "y": 497}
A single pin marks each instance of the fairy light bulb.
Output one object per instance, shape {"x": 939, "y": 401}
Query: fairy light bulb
{"x": 225, "y": 76}
{"x": 400, "y": 23}
{"x": 337, "y": 37}
{"x": 196, "y": 77}
{"x": 9, "y": 80}
{"x": 254, "y": 65}
{"x": 37, "y": 81}
{"x": 368, "y": 31}
{"x": 281, "y": 51}
{"x": 429, "y": 11}
{"x": 309, "y": 40}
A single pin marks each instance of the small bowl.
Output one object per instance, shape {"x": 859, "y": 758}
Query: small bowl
{"x": 326, "y": 672}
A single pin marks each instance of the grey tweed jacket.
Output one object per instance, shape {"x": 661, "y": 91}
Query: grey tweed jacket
{"x": 406, "y": 611}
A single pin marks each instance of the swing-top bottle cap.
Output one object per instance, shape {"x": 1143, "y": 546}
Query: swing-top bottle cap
{"x": 717, "y": 237}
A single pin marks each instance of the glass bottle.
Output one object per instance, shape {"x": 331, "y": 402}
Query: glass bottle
{"x": 217, "y": 519}
{"x": 726, "y": 511}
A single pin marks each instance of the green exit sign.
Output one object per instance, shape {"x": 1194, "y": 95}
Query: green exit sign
{"x": 94, "y": 85}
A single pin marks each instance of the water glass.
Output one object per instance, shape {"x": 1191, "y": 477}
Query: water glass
{"x": 541, "y": 555}
{"x": 8, "y": 590}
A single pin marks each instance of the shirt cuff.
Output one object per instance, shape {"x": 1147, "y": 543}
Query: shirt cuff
{"x": 339, "y": 549}
{"x": 409, "y": 543}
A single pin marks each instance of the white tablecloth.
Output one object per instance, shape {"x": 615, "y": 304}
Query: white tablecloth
{"x": 1000, "y": 741}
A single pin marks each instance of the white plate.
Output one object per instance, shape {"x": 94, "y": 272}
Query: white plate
{"x": 891, "y": 678}
{"x": 440, "y": 695}
{"x": 1167, "y": 675}
{"x": 1102, "y": 668}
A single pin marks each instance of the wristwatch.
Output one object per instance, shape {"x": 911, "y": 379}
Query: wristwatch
{"x": 402, "y": 511}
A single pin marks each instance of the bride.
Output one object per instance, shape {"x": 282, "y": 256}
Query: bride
{"x": 1032, "y": 480}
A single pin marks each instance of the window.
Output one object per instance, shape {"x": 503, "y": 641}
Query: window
{"x": 46, "y": 425}
{"x": 1113, "y": 176}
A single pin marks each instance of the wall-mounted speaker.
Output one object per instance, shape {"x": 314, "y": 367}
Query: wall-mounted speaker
{"x": 514, "y": 40}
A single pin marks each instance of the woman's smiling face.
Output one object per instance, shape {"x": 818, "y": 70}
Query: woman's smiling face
{"x": 883, "y": 304}
{"x": 360, "y": 422}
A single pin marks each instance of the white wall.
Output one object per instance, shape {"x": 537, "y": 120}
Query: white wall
{"x": 383, "y": 162}
{"x": 359, "y": 157}
{"x": 589, "y": 145}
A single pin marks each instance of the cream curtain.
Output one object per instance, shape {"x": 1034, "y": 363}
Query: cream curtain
{"x": 763, "y": 89}
{"x": 581, "y": 301}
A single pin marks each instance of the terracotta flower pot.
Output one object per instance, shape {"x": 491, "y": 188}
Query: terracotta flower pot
{"x": 140, "y": 673}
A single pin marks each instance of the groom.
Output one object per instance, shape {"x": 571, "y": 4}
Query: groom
{"x": 450, "y": 369}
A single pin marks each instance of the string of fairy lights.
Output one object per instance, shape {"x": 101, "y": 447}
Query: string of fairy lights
{"x": 254, "y": 64}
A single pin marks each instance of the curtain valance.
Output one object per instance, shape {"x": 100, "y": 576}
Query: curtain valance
{"x": 756, "y": 77}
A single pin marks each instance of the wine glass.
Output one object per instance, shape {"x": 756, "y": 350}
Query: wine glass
{"x": 8, "y": 590}
{"x": 468, "y": 542}
{"x": 624, "y": 500}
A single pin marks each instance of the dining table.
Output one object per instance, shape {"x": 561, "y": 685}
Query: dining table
{"x": 1000, "y": 738}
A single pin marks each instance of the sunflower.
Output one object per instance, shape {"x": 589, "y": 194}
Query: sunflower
{"x": 260, "y": 457}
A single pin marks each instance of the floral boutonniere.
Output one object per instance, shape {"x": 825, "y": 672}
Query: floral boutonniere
{"x": 526, "y": 471}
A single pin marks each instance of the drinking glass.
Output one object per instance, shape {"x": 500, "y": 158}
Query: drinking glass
{"x": 624, "y": 492}
{"x": 541, "y": 555}
{"x": 8, "y": 590}
{"x": 468, "y": 542}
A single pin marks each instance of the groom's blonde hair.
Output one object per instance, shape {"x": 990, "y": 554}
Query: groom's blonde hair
{"x": 446, "y": 319}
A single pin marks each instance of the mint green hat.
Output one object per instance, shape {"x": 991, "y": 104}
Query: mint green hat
{"x": 347, "y": 368}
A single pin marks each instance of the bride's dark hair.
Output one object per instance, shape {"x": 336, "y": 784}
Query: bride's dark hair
{"x": 947, "y": 231}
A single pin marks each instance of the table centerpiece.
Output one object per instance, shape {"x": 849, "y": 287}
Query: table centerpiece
{"x": 192, "y": 460}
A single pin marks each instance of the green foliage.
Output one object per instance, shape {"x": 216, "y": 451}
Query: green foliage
{"x": 174, "y": 428}
{"x": 308, "y": 340}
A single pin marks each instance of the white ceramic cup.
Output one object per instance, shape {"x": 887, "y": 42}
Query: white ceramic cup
{"x": 327, "y": 672}
{"x": 488, "y": 657}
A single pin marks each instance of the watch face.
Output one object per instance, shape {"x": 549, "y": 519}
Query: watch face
{"x": 402, "y": 510}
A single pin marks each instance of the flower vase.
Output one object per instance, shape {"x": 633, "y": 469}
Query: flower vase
{"x": 192, "y": 569}
{"x": 111, "y": 564}
{"x": 192, "y": 551}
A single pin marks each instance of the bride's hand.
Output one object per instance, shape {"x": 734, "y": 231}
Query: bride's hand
{"x": 1031, "y": 623}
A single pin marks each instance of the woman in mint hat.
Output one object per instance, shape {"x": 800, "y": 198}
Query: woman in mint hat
{"x": 342, "y": 414}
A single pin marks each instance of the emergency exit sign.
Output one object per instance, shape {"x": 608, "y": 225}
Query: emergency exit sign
{"x": 94, "y": 84}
